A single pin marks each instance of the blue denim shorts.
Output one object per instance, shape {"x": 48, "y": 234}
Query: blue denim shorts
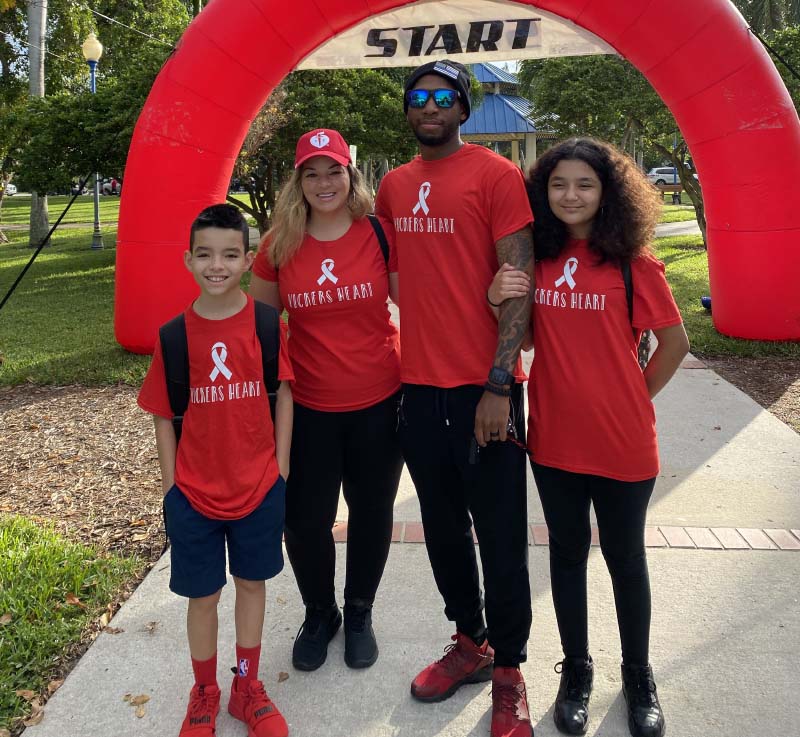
{"x": 198, "y": 543}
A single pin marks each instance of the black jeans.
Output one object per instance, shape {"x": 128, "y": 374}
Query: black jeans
{"x": 358, "y": 451}
{"x": 436, "y": 427}
{"x": 621, "y": 511}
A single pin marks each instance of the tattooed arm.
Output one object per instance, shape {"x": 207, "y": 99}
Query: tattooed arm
{"x": 491, "y": 415}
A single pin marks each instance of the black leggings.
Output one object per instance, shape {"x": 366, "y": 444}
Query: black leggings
{"x": 621, "y": 511}
{"x": 359, "y": 452}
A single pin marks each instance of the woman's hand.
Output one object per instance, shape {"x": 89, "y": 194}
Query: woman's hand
{"x": 508, "y": 283}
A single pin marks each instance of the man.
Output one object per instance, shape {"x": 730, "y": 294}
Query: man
{"x": 458, "y": 212}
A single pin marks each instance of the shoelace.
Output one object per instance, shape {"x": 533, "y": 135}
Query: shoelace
{"x": 258, "y": 700}
{"x": 311, "y": 624}
{"x": 507, "y": 697}
{"x": 200, "y": 702}
{"x": 645, "y": 688}
{"x": 453, "y": 659}
{"x": 577, "y": 680}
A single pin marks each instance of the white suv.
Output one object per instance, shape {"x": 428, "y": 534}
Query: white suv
{"x": 11, "y": 189}
{"x": 663, "y": 175}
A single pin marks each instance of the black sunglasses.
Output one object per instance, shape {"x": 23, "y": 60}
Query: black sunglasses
{"x": 444, "y": 98}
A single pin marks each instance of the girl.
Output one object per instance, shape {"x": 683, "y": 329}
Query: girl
{"x": 322, "y": 261}
{"x": 591, "y": 427}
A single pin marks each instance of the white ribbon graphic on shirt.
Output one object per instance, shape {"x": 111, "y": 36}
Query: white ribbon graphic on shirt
{"x": 327, "y": 272}
{"x": 570, "y": 267}
{"x": 219, "y": 352}
{"x": 424, "y": 191}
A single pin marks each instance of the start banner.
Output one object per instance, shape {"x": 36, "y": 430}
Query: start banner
{"x": 463, "y": 30}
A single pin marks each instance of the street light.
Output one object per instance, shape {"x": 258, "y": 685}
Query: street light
{"x": 92, "y": 51}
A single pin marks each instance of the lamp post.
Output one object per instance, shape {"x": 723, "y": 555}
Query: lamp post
{"x": 92, "y": 51}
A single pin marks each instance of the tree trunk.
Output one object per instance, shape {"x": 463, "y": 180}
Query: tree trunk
{"x": 197, "y": 6}
{"x": 37, "y": 26}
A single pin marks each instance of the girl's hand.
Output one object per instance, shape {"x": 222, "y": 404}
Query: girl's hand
{"x": 508, "y": 283}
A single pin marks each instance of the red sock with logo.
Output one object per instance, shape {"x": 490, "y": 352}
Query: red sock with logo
{"x": 205, "y": 671}
{"x": 247, "y": 663}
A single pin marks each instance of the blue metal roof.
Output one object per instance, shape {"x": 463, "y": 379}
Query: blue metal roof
{"x": 487, "y": 73}
{"x": 500, "y": 114}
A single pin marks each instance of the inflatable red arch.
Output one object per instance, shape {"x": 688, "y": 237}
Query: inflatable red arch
{"x": 716, "y": 78}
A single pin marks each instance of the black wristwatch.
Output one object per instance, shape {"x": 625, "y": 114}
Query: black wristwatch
{"x": 500, "y": 377}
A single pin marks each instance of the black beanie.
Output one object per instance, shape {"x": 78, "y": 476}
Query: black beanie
{"x": 453, "y": 71}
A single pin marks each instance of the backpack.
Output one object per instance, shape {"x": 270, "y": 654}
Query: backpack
{"x": 175, "y": 352}
{"x": 643, "y": 349}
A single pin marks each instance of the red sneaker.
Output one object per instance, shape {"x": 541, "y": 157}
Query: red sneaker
{"x": 201, "y": 714}
{"x": 510, "y": 716}
{"x": 252, "y": 706}
{"x": 463, "y": 662}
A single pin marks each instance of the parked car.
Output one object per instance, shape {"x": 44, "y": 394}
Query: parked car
{"x": 663, "y": 175}
{"x": 111, "y": 185}
{"x": 11, "y": 189}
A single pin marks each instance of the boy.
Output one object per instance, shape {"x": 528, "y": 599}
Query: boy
{"x": 225, "y": 481}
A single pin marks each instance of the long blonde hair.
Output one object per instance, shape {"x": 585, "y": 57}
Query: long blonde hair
{"x": 289, "y": 219}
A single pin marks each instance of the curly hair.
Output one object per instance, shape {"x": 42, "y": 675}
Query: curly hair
{"x": 289, "y": 218}
{"x": 630, "y": 206}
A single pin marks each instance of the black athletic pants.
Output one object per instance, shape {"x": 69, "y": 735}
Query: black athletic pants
{"x": 621, "y": 511}
{"x": 357, "y": 451}
{"x": 436, "y": 427}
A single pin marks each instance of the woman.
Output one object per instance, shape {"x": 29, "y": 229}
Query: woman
{"x": 323, "y": 263}
{"x": 591, "y": 428}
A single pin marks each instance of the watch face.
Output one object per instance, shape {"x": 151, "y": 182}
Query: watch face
{"x": 500, "y": 376}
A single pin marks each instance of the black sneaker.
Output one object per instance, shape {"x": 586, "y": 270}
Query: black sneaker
{"x": 645, "y": 718}
{"x": 311, "y": 644}
{"x": 571, "y": 711}
{"x": 360, "y": 647}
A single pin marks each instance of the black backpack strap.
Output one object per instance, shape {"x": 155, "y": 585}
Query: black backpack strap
{"x": 643, "y": 346}
{"x": 268, "y": 329}
{"x": 175, "y": 352}
{"x": 381, "y": 236}
{"x": 627, "y": 277}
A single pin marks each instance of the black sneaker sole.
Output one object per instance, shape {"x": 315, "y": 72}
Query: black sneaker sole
{"x": 479, "y": 676}
{"x": 313, "y": 665}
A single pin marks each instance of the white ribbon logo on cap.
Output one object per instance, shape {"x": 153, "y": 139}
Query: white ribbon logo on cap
{"x": 327, "y": 272}
{"x": 219, "y": 352}
{"x": 424, "y": 191}
{"x": 319, "y": 140}
{"x": 570, "y": 267}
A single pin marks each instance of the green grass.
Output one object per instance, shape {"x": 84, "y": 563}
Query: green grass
{"x": 677, "y": 213}
{"x": 57, "y": 328}
{"x": 16, "y": 210}
{"x": 38, "y": 571}
{"x": 687, "y": 272}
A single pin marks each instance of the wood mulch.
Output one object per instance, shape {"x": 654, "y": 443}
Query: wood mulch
{"x": 85, "y": 460}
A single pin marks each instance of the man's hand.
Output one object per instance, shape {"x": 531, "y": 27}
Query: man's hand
{"x": 491, "y": 418}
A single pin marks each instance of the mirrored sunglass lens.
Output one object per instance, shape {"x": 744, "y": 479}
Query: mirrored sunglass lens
{"x": 444, "y": 98}
{"x": 418, "y": 98}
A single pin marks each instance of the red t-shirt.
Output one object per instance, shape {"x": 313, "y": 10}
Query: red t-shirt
{"x": 589, "y": 408}
{"x": 345, "y": 348}
{"x": 447, "y": 216}
{"x": 226, "y": 457}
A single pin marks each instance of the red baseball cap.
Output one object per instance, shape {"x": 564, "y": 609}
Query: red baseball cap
{"x": 322, "y": 142}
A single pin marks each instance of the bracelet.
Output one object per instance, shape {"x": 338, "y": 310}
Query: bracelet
{"x": 490, "y": 301}
{"x": 500, "y": 391}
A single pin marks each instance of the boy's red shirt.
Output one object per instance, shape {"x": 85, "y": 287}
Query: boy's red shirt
{"x": 446, "y": 216}
{"x": 345, "y": 348}
{"x": 589, "y": 410}
{"x": 226, "y": 457}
